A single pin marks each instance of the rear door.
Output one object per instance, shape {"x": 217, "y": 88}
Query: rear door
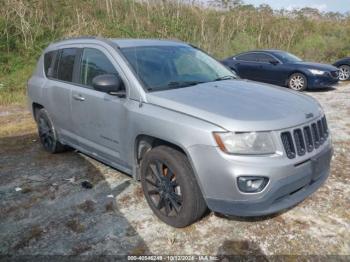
{"x": 99, "y": 119}
{"x": 247, "y": 66}
{"x": 58, "y": 91}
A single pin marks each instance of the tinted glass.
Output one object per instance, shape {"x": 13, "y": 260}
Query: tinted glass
{"x": 166, "y": 67}
{"x": 48, "y": 59}
{"x": 287, "y": 57}
{"x": 264, "y": 58}
{"x": 94, "y": 63}
{"x": 247, "y": 57}
{"x": 66, "y": 64}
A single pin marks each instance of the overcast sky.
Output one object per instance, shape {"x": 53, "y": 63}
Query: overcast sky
{"x": 323, "y": 5}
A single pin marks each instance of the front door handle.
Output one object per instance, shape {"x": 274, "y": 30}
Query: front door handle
{"x": 79, "y": 98}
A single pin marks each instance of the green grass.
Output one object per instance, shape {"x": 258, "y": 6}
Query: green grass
{"x": 27, "y": 27}
{"x": 13, "y": 85}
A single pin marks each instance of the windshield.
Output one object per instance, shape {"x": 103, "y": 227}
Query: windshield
{"x": 168, "y": 67}
{"x": 288, "y": 57}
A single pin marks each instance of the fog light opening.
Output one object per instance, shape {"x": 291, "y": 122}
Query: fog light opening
{"x": 252, "y": 184}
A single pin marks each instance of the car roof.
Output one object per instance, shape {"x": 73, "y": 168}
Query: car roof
{"x": 271, "y": 51}
{"x": 120, "y": 42}
{"x": 124, "y": 43}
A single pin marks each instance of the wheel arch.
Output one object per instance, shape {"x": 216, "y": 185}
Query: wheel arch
{"x": 342, "y": 63}
{"x": 35, "y": 108}
{"x": 296, "y": 71}
{"x": 144, "y": 143}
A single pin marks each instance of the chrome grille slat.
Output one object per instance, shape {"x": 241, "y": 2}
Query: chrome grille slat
{"x": 315, "y": 135}
{"x": 288, "y": 144}
{"x": 308, "y": 139}
{"x": 299, "y": 142}
{"x": 320, "y": 131}
{"x": 325, "y": 126}
{"x": 305, "y": 139}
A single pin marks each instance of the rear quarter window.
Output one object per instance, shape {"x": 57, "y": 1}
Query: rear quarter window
{"x": 48, "y": 62}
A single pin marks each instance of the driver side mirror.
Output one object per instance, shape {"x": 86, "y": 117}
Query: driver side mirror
{"x": 109, "y": 84}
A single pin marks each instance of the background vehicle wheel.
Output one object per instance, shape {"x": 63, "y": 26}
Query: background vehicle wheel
{"x": 47, "y": 133}
{"x": 344, "y": 73}
{"x": 297, "y": 82}
{"x": 170, "y": 187}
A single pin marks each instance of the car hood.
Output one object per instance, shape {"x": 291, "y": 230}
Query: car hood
{"x": 318, "y": 66}
{"x": 239, "y": 105}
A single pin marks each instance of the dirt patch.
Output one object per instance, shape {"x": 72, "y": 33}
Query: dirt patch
{"x": 87, "y": 206}
{"x": 34, "y": 234}
{"x": 75, "y": 225}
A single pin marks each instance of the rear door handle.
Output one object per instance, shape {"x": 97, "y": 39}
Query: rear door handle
{"x": 79, "y": 98}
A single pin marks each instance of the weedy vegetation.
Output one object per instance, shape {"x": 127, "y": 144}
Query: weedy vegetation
{"x": 225, "y": 28}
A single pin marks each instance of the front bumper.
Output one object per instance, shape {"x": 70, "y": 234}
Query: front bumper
{"x": 321, "y": 81}
{"x": 289, "y": 182}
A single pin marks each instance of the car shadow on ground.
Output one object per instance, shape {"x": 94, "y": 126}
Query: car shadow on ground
{"x": 232, "y": 250}
{"x": 45, "y": 210}
{"x": 320, "y": 90}
{"x": 255, "y": 218}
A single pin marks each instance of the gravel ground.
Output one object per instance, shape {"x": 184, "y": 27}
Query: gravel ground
{"x": 54, "y": 215}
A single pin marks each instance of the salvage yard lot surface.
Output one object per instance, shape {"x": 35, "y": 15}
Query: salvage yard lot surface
{"x": 53, "y": 214}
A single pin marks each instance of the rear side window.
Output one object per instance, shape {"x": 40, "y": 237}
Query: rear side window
{"x": 264, "y": 58}
{"x": 94, "y": 63}
{"x": 48, "y": 62}
{"x": 66, "y": 64}
{"x": 247, "y": 57}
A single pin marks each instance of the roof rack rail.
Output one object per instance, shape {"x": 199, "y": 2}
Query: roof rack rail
{"x": 106, "y": 40}
{"x": 79, "y": 37}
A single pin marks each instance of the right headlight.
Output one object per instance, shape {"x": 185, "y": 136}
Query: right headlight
{"x": 245, "y": 143}
{"x": 317, "y": 72}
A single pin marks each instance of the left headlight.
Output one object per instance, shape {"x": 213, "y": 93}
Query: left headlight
{"x": 317, "y": 72}
{"x": 246, "y": 143}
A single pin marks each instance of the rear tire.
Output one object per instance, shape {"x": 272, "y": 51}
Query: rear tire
{"x": 47, "y": 132}
{"x": 344, "y": 73}
{"x": 170, "y": 187}
{"x": 297, "y": 82}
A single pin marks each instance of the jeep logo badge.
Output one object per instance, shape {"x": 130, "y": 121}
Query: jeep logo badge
{"x": 309, "y": 115}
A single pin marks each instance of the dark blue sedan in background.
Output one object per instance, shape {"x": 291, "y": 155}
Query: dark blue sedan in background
{"x": 282, "y": 68}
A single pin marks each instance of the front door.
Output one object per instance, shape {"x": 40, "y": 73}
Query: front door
{"x": 99, "y": 118}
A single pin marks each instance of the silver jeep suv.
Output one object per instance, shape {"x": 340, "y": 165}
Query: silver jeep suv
{"x": 170, "y": 115}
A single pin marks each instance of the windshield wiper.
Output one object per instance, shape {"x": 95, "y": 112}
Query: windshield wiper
{"x": 180, "y": 84}
{"x": 224, "y": 78}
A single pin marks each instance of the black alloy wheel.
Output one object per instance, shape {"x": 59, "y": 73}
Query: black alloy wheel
{"x": 170, "y": 187}
{"x": 47, "y": 133}
{"x": 163, "y": 189}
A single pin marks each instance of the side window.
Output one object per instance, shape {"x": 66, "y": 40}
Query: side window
{"x": 66, "y": 64}
{"x": 264, "y": 58}
{"x": 48, "y": 62}
{"x": 94, "y": 63}
{"x": 247, "y": 57}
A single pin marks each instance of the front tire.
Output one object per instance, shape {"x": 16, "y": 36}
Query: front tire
{"x": 344, "y": 73}
{"x": 170, "y": 187}
{"x": 47, "y": 132}
{"x": 297, "y": 82}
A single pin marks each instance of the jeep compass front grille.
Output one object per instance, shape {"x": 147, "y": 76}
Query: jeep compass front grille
{"x": 306, "y": 138}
